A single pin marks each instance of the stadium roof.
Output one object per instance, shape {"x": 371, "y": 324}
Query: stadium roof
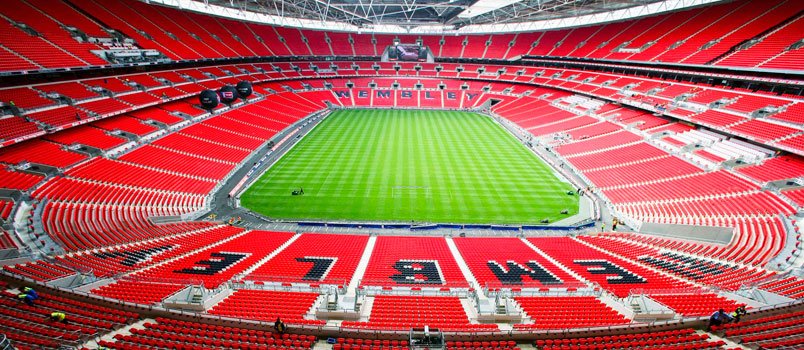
{"x": 432, "y": 16}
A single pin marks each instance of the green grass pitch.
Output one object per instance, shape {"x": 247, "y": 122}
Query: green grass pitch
{"x": 410, "y": 165}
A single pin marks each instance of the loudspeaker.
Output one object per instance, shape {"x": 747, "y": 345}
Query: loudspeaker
{"x": 208, "y": 99}
{"x": 244, "y": 89}
{"x": 228, "y": 94}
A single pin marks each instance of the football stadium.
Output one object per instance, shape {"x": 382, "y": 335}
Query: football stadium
{"x": 402, "y": 174}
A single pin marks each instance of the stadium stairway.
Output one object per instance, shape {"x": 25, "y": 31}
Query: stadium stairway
{"x": 555, "y": 262}
{"x": 265, "y": 259}
{"x": 110, "y": 337}
{"x": 467, "y": 273}
{"x": 360, "y": 270}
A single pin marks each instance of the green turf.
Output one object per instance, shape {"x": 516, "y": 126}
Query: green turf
{"x": 397, "y": 165}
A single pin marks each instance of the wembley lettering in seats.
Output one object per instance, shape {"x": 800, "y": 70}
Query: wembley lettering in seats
{"x": 513, "y": 272}
{"x": 618, "y": 274}
{"x": 216, "y": 263}
{"x": 320, "y": 269}
{"x": 133, "y": 257}
{"x": 418, "y": 272}
{"x": 406, "y": 94}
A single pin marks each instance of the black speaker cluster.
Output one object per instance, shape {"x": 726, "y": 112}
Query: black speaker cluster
{"x": 227, "y": 94}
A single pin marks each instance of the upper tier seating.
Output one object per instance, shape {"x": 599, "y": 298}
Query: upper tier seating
{"x": 720, "y": 274}
{"x": 39, "y": 152}
{"x": 125, "y": 123}
{"x": 303, "y": 260}
{"x": 79, "y": 226}
{"x": 25, "y": 98}
{"x": 611, "y": 273}
{"x": 779, "y": 168}
{"x": 792, "y": 287}
{"x": 116, "y": 172}
{"x": 86, "y": 135}
{"x": 219, "y": 263}
{"x": 510, "y": 263}
{"x": 14, "y": 180}
{"x": 708, "y": 34}
{"x": 391, "y": 255}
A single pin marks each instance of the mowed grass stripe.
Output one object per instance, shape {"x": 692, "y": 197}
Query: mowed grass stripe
{"x": 422, "y": 166}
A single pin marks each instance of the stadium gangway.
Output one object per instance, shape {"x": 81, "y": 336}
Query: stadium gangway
{"x": 285, "y": 283}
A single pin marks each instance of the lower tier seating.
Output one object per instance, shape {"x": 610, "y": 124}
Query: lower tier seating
{"x": 568, "y": 312}
{"x": 27, "y": 327}
{"x": 376, "y": 344}
{"x": 174, "y": 334}
{"x": 785, "y": 331}
{"x": 405, "y": 312}
{"x": 684, "y": 339}
{"x": 263, "y": 305}
{"x": 145, "y": 293}
{"x": 698, "y": 304}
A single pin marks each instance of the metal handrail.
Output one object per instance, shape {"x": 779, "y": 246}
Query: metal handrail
{"x": 5, "y": 343}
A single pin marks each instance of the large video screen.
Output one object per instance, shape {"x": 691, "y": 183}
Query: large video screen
{"x": 408, "y": 52}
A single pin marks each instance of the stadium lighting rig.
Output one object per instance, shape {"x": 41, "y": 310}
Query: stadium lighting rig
{"x": 431, "y": 16}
